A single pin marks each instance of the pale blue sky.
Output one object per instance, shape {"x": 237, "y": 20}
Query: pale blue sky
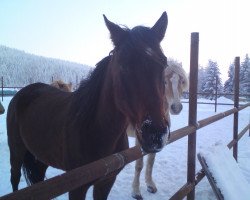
{"x": 74, "y": 29}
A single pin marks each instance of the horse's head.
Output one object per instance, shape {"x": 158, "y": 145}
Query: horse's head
{"x": 136, "y": 68}
{"x": 62, "y": 85}
{"x": 176, "y": 82}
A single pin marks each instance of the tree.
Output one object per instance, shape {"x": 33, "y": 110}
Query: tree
{"x": 245, "y": 76}
{"x": 209, "y": 84}
{"x": 19, "y": 68}
{"x": 229, "y": 83}
{"x": 201, "y": 76}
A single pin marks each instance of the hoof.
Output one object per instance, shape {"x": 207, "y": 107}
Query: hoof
{"x": 137, "y": 196}
{"x": 151, "y": 189}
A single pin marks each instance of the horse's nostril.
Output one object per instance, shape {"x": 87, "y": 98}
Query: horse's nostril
{"x": 173, "y": 107}
{"x": 176, "y": 108}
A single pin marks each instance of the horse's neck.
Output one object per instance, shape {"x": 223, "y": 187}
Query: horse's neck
{"x": 108, "y": 115}
{"x": 94, "y": 100}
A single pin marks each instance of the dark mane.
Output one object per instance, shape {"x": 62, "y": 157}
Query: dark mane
{"x": 88, "y": 93}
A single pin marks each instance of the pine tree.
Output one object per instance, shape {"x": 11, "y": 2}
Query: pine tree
{"x": 201, "y": 76}
{"x": 209, "y": 83}
{"x": 229, "y": 83}
{"x": 245, "y": 76}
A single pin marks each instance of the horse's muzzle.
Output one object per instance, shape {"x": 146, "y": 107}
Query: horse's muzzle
{"x": 153, "y": 138}
{"x": 176, "y": 108}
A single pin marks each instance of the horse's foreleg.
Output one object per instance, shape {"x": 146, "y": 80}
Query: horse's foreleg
{"x": 136, "y": 193}
{"x": 151, "y": 187}
{"x": 102, "y": 188}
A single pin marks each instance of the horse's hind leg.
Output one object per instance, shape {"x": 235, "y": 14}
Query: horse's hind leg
{"x": 102, "y": 188}
{"x": 16, "y": 161}
{"x": 151, "y": 187}
{"x": 136, "y": 193}
{"x": 16, "y": 146}
{"x": 41, "y": 167}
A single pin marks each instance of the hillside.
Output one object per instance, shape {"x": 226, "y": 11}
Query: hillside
{"x": 19, "y": 68}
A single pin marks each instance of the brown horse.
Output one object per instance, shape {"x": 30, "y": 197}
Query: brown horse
{"x": 66, "y": 87}
{"x": 65, "y": 130}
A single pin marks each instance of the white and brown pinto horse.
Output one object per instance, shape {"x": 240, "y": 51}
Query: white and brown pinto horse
{"x": 176, "y": 82}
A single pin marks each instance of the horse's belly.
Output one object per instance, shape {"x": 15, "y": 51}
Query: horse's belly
{"x": 43, "y": 140}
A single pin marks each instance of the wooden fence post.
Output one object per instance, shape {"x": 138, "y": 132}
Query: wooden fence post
{"x": 192, "y": 119}
{"x": 236, "y": 105}
{"x": 216, "y": 94}
{"x": 2, "y": 87}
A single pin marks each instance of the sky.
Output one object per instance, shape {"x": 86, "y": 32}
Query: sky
{"x": 75, "y": 30}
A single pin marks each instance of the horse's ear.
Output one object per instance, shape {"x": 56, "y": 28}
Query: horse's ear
{"x": 160, "y": 26}
{"x": 116, "y": 32}
{"x": 70, "y": 85}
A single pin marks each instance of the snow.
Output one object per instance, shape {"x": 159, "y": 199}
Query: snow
{"x": 226, "y": 172}
{"x": 170, "y": 167}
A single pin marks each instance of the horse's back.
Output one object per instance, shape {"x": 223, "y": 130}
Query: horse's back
{"x": 29, "y": 94}
{"x": 38, "y": 113}
{"x": 20, "y": 101}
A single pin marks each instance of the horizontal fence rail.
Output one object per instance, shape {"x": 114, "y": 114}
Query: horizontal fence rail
{"x": 70, "y": 180}
{"x": 233, "y": 142}
{"x": 218, "y": 94}
{"x": 185, "y": 189}
{"x": 180, "y": 133}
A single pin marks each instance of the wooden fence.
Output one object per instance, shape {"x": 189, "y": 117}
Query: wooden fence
{"x": 3, "y": 86}
{"x": 185, "y": 94}
{"x": 73, "y": 179}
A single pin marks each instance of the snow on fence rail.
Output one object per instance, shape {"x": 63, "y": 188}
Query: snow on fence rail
{"x": 72, "y": 179}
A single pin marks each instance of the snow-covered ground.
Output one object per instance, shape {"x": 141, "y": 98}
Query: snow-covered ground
{"x": 171, "y": 163}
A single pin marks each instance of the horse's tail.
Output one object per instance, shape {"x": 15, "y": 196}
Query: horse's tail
{"x": 31, "y": 169}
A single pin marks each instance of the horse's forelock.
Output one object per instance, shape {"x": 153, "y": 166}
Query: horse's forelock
{"x": 145, "y": 42}
{"x": 178, "y": 69}
{"x": 67, "y": 87}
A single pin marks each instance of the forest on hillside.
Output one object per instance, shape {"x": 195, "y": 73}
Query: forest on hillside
{"x": 19, "y": 68}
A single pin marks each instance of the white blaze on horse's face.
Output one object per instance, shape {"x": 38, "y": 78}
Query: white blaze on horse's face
{"x": 173, "y": 97}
